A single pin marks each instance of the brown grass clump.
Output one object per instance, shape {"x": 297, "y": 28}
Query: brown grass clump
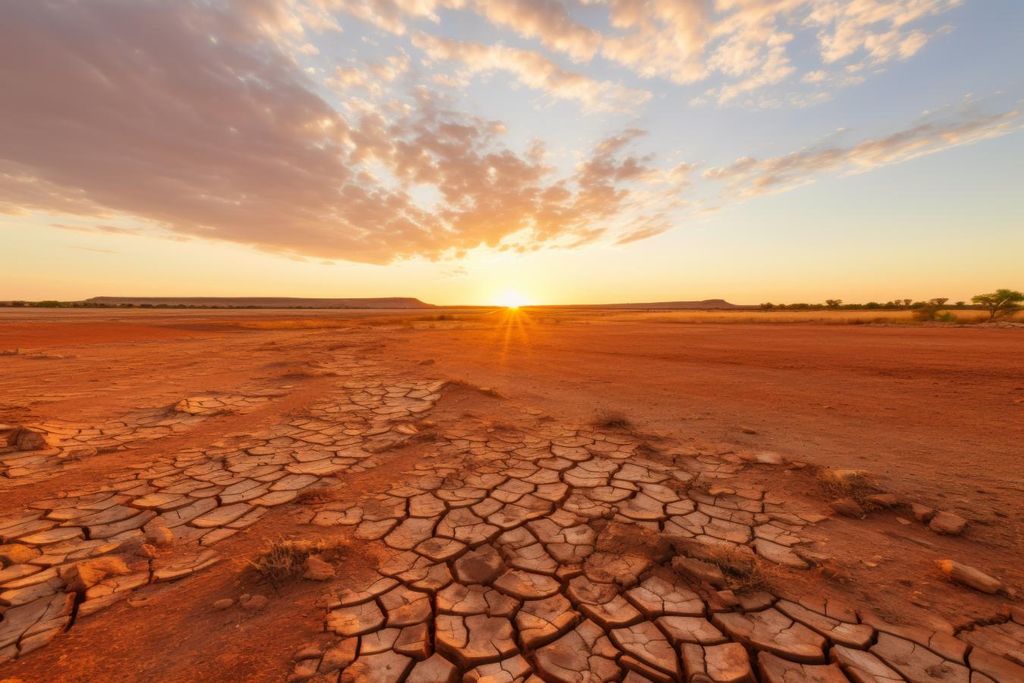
{"x": 315, "y": 495}
{"x": 742, "y": 570}
{"x": 613, "y": 420}
{"x": 456, "y": 384}
{"x": 746, "y": 573}
{"x": 846, "y": 483}
{"x": 285, "y": 559}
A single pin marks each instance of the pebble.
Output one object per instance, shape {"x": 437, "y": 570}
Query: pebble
{"x": 254, "y": 603}
{"x": 922, "y": 513}
{"x": 948, "y": 523}
{"x": 317, "y": 569}
{"x": 847, "y": 507}
{"x": 969, "y": 576}
{"x": 223, "y": 603}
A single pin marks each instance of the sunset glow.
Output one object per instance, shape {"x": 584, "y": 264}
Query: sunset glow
{"x": 512, "y": 299}
{"x": 602, "y": 151}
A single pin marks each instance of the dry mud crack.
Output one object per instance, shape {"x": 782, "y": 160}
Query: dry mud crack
{"x": 547, "y": 552}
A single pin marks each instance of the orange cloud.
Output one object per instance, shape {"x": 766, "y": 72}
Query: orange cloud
{"x": 534, "y": 71}
{"x": 188, "y": 117}
{"x": 748, "y": 176}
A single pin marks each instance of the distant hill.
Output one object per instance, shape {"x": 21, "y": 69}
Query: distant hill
{"x": 258, "y": 302}
{"x": 707, "y": 304}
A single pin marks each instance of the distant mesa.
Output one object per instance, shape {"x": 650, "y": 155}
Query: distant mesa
{"x": 396, "y": 302}
{"x": 705, "y": 305}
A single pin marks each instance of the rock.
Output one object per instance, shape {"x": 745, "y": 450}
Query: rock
{"x": 769, "y": 458}
{"x": 317, "y": 569}
{"x": 144, "y": 550}
{"x": 223, "y": 603}
{"x": 17, "y": 553}
{"x": 158, "y": 533}
{"x": 884, "y": 500}
{"x": 969, "y": 576}
{"x": 699, "y": 570}
{"x": 26, "y": 439}
{"x": 848, "y": 507}
{"x": 948, "y": 523}
{"x": 87, "y": 573}
{"x": 922, "y": 513}
{"x": 254, "y": 603}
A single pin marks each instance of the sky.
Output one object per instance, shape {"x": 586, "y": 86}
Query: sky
{"x": 473, "y": 151}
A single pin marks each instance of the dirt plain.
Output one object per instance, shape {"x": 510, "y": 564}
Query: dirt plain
{"x": 568, "y": 495}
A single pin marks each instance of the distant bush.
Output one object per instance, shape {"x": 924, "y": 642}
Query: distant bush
{"x": 1001, "y": 303}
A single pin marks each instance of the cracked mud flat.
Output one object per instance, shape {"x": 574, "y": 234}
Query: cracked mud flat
{"x": 474, "y": 537}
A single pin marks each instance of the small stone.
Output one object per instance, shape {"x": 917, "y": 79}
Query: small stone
{"x": 317, "y": 569}
{"x": 884, "y": 500}
{"x": 768, "y": 458}
{"x": 848, "y": 507}
{"x": 969, "y": 576}
{"x": 31, "y": 440}
{"x": 947, "y": 523}
{"x": 699, "y": 570}
{"x": 922, "y": 513}
{"x": 158, "y": 533}
{"x": 223, "y": 603}
{"x": 254, "y": 603}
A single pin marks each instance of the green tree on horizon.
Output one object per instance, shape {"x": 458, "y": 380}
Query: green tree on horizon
{"x": 1000, "y": 303}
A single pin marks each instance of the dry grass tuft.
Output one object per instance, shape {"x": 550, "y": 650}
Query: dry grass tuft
{"x": 746, "y": 573}
{"x": 284, "y": 559}
{"x": 613, "y": 420}
{"x": 742, "y": 570}
{"x": 462, "y": 384}
{"x": 846, "y": 483}
{"x": 314, "y": 496}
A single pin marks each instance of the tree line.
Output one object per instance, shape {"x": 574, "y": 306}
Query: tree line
{"x": 1001, "y": 303}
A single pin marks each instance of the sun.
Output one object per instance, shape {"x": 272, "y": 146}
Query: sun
{"x": 511, "y": 299}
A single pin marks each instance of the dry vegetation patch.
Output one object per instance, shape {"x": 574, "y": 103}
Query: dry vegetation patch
{"x": 284, "y": 560}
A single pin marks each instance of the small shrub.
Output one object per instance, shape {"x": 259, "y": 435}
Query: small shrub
{"x": 613, "y": 420}
{"x": 284, "y": 559}
{"x": 843, "y": 483}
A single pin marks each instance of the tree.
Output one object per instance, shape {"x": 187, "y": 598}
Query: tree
{"x": 939, "y": 301}
{"x": 1000, "y": 303}
{"x": 907, "y": 302}
{"x": 833, "y": 303}
{"x": 961, "y": 304}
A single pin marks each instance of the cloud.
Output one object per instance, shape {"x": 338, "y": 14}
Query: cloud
{"x": 546, "y": 20}
{"x": 534, "y": 71}
{"x": 942, "y": 130}
{"x": 186, "y": 116}
{"x": 373, "y": 77}
{"x": 744, "y": 44}
{"x": 389, "y": 15}
{"x": 108, "y": 229}
{"x": 881, "y": 28}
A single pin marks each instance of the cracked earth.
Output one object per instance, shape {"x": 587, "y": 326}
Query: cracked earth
{"x": 451, "y": 533}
